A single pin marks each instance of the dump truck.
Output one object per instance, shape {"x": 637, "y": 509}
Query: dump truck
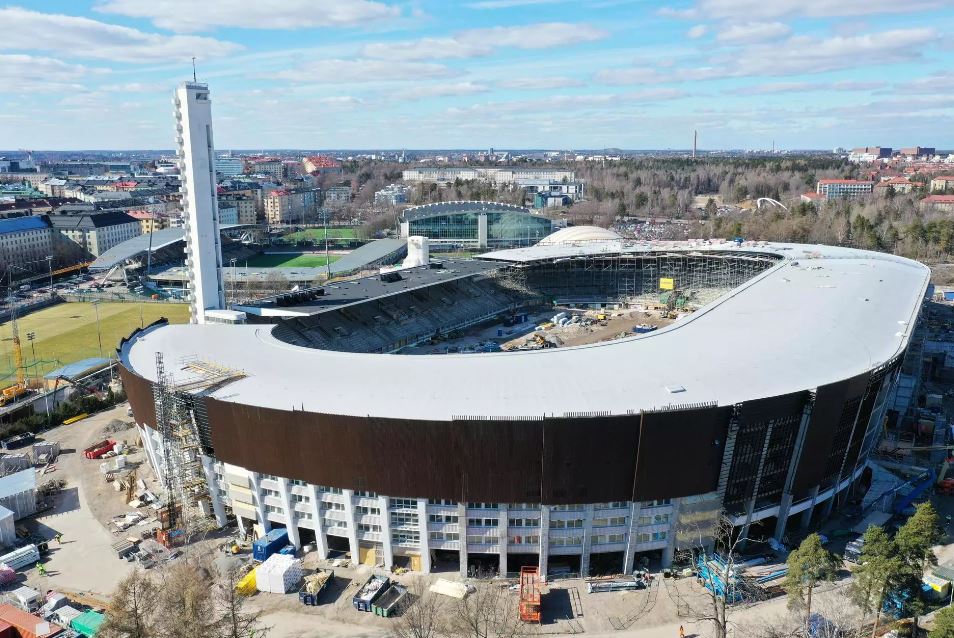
{"x": 370, "y": 592}
{"x": 530, "y": 604}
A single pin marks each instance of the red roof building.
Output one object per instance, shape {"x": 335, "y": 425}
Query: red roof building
{"x": 25, "y": 625}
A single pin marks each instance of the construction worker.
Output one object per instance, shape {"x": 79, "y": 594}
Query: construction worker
{"x": 682, "y": 632}
{"x": 59, "y": 538}
{"x": 41, "y": 570}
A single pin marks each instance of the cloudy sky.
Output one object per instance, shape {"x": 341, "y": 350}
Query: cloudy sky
{"x": 83, "y": 74}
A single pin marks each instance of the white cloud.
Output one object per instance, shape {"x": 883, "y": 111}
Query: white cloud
{"x": 807, "y": 54}
{"x": 189, "y": 16}
{"x": 363, "y": 71}
{"x": 697, "y": 31}
{"x": 751, "y": 32}
{"x": 802, "y": 87}
{"x": 764, "y": 9}
{"x": 443, "y": 90}
{"x": 541, "y": 83}
{"x": 480, "y": 42}
{"x": 508, "y": 4}
{"x": 632, "y": 75}
{"x": 25, "y": 30}
{"x": 31, "y": 74}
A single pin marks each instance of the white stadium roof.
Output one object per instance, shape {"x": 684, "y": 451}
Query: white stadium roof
{"x": 576, "y": 234}
{"x": 822, "y": 314}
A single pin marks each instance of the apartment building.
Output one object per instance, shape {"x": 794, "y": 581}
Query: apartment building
{"x": 844, "y": 188}
{"x": 392, "y": 195}
{"x": 942, "y": 183}
{"x": 283, "y": 206}
{"x": 243, "y": 204}
{"x": 95, "y": 231}
{"x": 25, "y": 239}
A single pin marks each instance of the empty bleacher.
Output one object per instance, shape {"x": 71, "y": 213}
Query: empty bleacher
{"x": 386, "y": 324}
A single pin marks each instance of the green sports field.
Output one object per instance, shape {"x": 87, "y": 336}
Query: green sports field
{"x": 319, "y": 234}
{"x": 289, "y": 260}
{"x": 67, "y": 332}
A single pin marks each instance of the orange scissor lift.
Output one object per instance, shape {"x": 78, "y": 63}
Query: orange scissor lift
{"x": 530, "y": 594}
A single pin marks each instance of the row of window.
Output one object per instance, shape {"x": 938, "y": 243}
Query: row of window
{"x": 444, "y": 536}
{"x": 404, "y": 519}
{"x": 361, "y": 510}
{"x": 442, "y": 518}
{"x": 607, "y": 539}
{"x": 658, "y": 519}
{"x": 660, "y": 502}
{"x": 405, "y": 537}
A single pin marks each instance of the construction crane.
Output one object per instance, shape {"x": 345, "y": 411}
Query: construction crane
{"x": 11, "y": 393}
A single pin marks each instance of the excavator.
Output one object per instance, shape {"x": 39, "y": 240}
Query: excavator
{"x": 18, "y": 389}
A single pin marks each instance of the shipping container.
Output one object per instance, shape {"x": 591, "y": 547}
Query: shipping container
{"x": 269, "y": 544}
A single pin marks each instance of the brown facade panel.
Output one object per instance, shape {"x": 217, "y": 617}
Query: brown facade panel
{"x": 587, "y": 460}
{"x": 680, "y": 452}
{"x": 829, "y": 404}
{"x": 139, "y": 393}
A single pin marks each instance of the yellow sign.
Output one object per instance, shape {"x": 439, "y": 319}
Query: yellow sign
{"x": 667, "y": 283}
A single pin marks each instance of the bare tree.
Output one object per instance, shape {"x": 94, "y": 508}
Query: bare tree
{"x": 490, "y": 611}
{"x": 423, "y": 615}
{"x": 714, "y": 556}
{"x": 133, "y": 611}
{"x": 186, "y": 601}
{"x": 235, "y": 620}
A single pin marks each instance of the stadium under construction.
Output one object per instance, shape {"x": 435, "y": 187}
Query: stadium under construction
{"x": 762, "y": 400}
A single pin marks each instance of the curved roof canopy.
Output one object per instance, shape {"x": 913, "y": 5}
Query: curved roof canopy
{"x": 575, "y": 234}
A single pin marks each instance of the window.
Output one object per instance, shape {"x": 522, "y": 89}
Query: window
{"x": 442, "y": 518}
{"x": 403, "y": 519}
{"x": 482, "y": 522}
{"x": 482, "y": 540}
{"x": 273, "y": 509}
{"x": 329, "y": 490}
{"x": 611, "y": 505}
{"x": 403, "y": 503}
{"x": 524, "y": 540}
{"x": 366, "y": 494}
{"x": 644, "y": 520}
{"x": 361, "y": 510}
{"x": 561, "y": 524}
{"x": 268, "y": 492}
{"x": 566, "y": 541}
{"x": 406, "y": 537}
{"x": 444, "y": 536}
{"x": 657, "y": 503}
{"x": 482, "y": 506}
{"x": 524, "y": 506}
{"x": 298, "y": 482}
{"x": 304, "y": 515}
{"x": 298, "y": 498}
{"x": 611, "y": 521}
{"x": 523, "y": 522}
{"x": 659, "y": 519}
{"x": 364, "y": 527}
{"x": 339, "y": 507}
{"x": 659, "y": 536}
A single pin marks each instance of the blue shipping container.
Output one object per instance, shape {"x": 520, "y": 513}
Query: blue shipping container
{"x": 949, "y": 295}
{"x": 269, "y": 544}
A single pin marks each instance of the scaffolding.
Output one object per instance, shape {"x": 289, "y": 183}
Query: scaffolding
{"x": 187, "y": 500}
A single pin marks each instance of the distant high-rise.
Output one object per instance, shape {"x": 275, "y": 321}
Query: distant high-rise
{"x": 200, "y": 208}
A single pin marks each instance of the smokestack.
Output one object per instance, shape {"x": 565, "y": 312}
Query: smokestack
{"x": 695, "y": 142}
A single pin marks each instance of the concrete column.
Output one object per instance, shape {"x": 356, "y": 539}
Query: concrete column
{"x": 425, "y": 536}
{"x": 321, "y": 542}
{"x": 784, "y": 506}
{"x": 744, "y": 533}
{"x": 807, "y": 514}
{"x": 256, "y": 479}
{"x": 462, "y": 521}
{"x": 145, "y": 434}
{"x": 241, "y": 526}
{"x": 291, "y": 519}
{"x": 587, "y": 540}
{"x": 352, "y": 527}
{"x": 630, "y": 553}
{"x": 386, "y": 548}
{"x": 544, "y": 540}
{"x": 670, "y": 550}
{"x": 482, "y": 230}
{"x": 208, "y": 467}
{"x": 503, "y": 538}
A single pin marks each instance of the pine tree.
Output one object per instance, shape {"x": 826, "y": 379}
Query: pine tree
{"x": 808, "y": 566}
{"x": 878, "y": 575}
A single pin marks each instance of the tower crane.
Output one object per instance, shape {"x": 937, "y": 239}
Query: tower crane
{"x": 11, "y": 393}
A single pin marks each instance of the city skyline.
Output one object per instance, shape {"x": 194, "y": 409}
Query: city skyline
{"x": 482, "y": 73}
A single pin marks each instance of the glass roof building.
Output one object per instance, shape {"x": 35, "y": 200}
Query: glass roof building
{"x": 475, "y": 224}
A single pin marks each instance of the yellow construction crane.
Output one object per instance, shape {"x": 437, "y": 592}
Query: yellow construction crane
{"x": 18, "y": 389}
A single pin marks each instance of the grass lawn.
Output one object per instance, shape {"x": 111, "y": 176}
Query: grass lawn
{"x": 289, "y": 260}
{"x": 319, "y": 234}
{"x": 66, "y": 332}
